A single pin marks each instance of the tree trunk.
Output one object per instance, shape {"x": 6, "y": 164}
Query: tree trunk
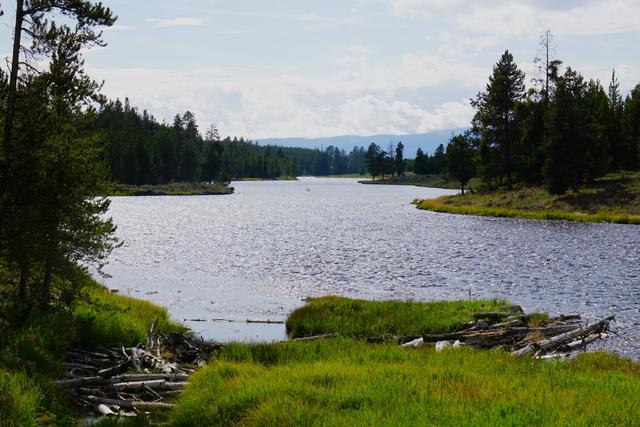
{"x": 23, "y": 283}
{"x": 13, "y": 79}
{"x": 46, "y": 285}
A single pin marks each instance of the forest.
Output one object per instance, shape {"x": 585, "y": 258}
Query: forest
{"x": 562, "y": 132}
{"x": 138, "y": 149}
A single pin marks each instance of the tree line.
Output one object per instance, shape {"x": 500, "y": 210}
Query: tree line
{"x": 52, "y": 182}
{"x": 392, "y": 162}
{"x": 561, "y": 132}
{"x": 140, "y": 150}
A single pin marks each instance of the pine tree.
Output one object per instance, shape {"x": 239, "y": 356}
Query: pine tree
{"x": 399, "y": 159}
{"x": 420, "y": 163}
{"x": 495, "y": 119}
{"x": 568, "y": 139}
{"x": 615, "y": 141}
{"x": 460, "y": 154}
{"x": 631, "y": 128}
{"x": 374, "y": 160}
{"x": 49, "y": 149}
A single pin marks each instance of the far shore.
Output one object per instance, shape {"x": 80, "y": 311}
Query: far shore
{"x": 173, "y": 189}
{"x": 614, "y": 198}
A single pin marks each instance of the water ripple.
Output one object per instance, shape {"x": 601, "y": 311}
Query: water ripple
{"x": 259, "y": 252}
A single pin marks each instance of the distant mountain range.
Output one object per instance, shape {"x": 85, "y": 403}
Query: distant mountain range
{"x": 427, "y": 141}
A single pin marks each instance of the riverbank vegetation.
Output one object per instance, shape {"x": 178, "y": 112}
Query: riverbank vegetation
{"x": 342, "y": 380}
{"x": 173, "y": 189}
{"x": 360, "y": 319}
{"x": 530, "y": 147}
{"x": 431, "y": 181}
{"x": 613, "y": 198}
{"x": 53, "y": 213}
{"x": 32, "y": 353}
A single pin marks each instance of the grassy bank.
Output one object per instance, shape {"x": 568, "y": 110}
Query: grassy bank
{"x": 432, "y": 181}
{"x": 345, "y": 382}
{"x": 342, "y": 381}
{"x": 280, "y": 178}
{"x": 614, "y": 198}
{"x": 31, "y": 356}
{"x": 173, "y": 189}
{"x": 360, "y": 318}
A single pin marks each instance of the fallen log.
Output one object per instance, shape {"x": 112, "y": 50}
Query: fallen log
{"x": 567, "y": 337}
{"x": 314, "y": 337}
{"x": 115, "y": 370}
{"x": 129, "y": 404}
{"x": 135, "y": 385}
{"x": 99, "y": 381}
{"x": 491, "y": 315}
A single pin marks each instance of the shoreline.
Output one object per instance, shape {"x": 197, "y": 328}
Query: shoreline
{"x": 614, "y": 198}
{"x": 321, "y": 333}
{"x": 428, "y": 181}
{"x": 172, "y": 189}
{"x": 438, "y": 205}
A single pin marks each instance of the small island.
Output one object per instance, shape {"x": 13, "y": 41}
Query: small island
{"x": 173, "y": 189}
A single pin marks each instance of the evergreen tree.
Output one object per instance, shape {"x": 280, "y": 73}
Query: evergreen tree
{"x": 460, "y": 154}
{"x": 438, "y": 161}
{"x": 420, "y": 164}
{"x": 399, "y": 159}
{"x": 631, "y": 128}
{"x": 49, "y": 149}
{"x": 615, "y": 141}
{"x": 495, "y": 119}
{"x": 374, "y": 159}
{"x": 568, "y": 139}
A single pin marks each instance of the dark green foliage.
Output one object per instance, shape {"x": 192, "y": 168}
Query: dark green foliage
{"x": 460, "y": 154}
{"x": 564, "y": 133}
{"x": 430, "y": 165}
{"x": 496, "y": 121}
{"x": 374, "y": 159}
{"x": 565, "y": 166}
{"x": 399, "y": 159}
{"x": 630, "y": 122}
{"x": 52, "y": 213}
{"x": 139, "y": 150}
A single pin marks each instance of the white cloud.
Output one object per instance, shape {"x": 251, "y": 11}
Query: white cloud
{"x": 368, "y": 100}
{"x": 527, "y": 18}
{"x": 177, "y": 22}
{"x": 358, "y": 49}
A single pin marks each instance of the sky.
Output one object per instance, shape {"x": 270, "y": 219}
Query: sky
{"x": 302, "y": 68}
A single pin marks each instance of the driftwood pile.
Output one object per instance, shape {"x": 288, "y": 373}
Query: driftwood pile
{"x": 558, "y": 337}
{"x": 127, "y": 381}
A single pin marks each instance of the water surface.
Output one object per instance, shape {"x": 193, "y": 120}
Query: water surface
{"x": 258, "y": 253}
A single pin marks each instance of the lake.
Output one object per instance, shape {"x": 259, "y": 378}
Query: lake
{"x": 258, "y": 253}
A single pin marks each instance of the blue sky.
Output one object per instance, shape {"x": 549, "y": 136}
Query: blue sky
{"x": 259, "y": 68}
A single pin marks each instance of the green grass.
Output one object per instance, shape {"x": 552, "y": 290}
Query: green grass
{"x": 342, "y": 382}
{"x": 360, "y": 318}
{"x": 172, "y": 189}
{"x": 280, "y": 178}
{"x": 614, "y": 198}
{"x": 347, "y": 175}
{"x": 30, "y": 356}
{"x": 432, "y": 181}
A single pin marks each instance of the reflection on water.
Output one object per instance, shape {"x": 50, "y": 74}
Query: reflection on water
{"x": 256, "y": 254}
